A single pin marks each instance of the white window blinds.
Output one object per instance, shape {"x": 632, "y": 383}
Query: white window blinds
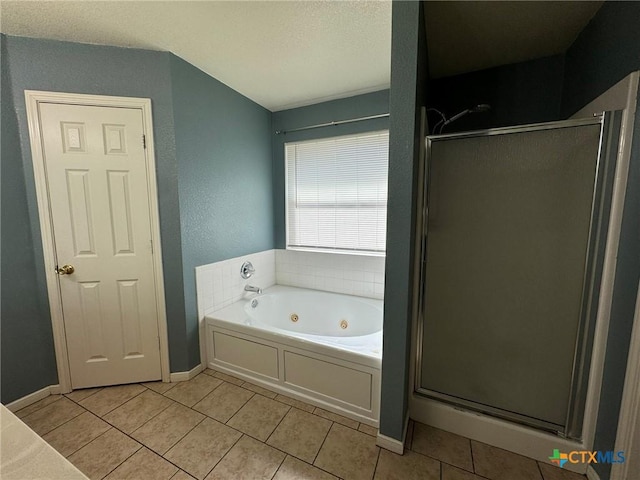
{"x": 337, "y": 193}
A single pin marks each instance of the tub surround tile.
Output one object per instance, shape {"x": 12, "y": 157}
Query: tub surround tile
{"x": 79, "y": 395}
{"x": 259, "y": 417}
{"x": 334, "y": 417}
{"x": 369, "y": 430}
{"x": 203, "y": 447}
{"x": 34, "y": 407}
{"x": 228, "y": 378}
{"x": 165, "y": 430}
{"x": 300, "y": 434}
{"x": 104, "y": 454}
{"x": 551, "y": 472}
{"x": 192, "y": 391}
{"x": 144, "y": 465}
{"x": 45, "y": 419}
{"x": 347, "y": 453}
{"x": 160, "y": 387}
{"x": 258, "y": 389}
{"x": 449, "y": 472}
{"x": 137, "y": 411}
{"x": 295, "y": 403}
{"x": 410, "y": 466}
{"x": 111, "y": 398}
{"x": 76, "y": 433}
{"x": 224, "y": 402}
{"x": 294, "y": 469}
{"x": 499, "y": 464}
{"x": 249, "y": 459}
{"x": 444, "y": 446}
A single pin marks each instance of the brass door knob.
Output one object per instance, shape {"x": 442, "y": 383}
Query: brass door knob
{"x": 65, "y": 270}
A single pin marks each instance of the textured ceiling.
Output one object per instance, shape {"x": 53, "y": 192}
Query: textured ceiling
{"x": 279, "y": 54}
{"x": 292, "y": 53}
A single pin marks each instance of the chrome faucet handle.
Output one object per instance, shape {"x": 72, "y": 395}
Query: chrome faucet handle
{"x": 246, "y": 270}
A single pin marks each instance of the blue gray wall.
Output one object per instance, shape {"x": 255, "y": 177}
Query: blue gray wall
{"x": 606, "y": 51}
{"x": 28, "y": 362}
{"x": 369, "y": 104}
{"x": 407, "y": 95}
{"x": 520, "y": 93}
{"x": 213, "y": 146}
{"x": 223, "y": 149}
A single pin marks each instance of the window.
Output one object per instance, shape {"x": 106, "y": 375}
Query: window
{"x": 337, "y": 193}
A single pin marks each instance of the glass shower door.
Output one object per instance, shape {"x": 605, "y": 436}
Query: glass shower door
{"x": 513, "y": 227}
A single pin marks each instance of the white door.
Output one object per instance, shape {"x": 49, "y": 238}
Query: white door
{"x": 99, "y": 202}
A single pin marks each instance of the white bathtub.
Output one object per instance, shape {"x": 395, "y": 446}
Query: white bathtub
{"x": 322, "y": 348}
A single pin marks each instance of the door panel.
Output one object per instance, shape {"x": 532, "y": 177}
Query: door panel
{"x": 508, "y": 231}
{"x": 96, "y": 172}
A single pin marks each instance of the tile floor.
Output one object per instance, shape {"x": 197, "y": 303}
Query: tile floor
{"x": 216, "y": 426}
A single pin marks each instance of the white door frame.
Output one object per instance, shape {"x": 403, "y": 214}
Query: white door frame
{"x": 33, "y": 98}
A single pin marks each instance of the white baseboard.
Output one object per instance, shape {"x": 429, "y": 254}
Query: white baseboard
{"x": 184, "y": 376}
{"x": 33, "y": 398}
{"x": 391, "y": 444}
{"x": 592, "y": 474}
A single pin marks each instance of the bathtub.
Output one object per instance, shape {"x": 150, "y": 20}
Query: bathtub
{"x": 319, "y": 347}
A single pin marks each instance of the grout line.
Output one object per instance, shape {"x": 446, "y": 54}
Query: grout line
{"x": 136, "y": 451}
{"x": 225, "y": 454}
{"x": 276, "y": 427}
{"x": 473, "y": 462}
{"x": 322, "y": 444}
{"x": 376, "y": 465}
{"x": 281, "y": 462}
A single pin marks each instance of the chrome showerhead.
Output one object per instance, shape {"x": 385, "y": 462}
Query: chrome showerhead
{"x": 481, "y": 107}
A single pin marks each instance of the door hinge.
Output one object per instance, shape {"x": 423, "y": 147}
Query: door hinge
{"x": 151, "y": 242}
{"x": 144, "y": 141}
{"x": 159, "y": 348}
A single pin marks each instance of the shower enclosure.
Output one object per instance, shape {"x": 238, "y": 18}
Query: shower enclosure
{"x": 515, "y": 223}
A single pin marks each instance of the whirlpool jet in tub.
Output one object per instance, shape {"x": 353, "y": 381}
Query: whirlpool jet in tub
{"x": 320, "y": 347}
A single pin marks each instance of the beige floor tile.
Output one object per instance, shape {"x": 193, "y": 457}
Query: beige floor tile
{"x": 228, "y": 378}
{"x": 410, "y": 466}
{"x": 248, "y": 460}
{"x": 160, "y": 387}
{"x": 34, "y": 407}
{"x": 137, "y": 411}
{"x": 369, "y": 430}
{"x": 144, "y": 465}
{"x": 78, "y": 395}
{"x": 450, "y": 472}
{"x": 294, "y": 469}
{"x": 209, "y": 371}
{"x": 334, "y": 417}
{"x": 76, "y": 433}
{"x": 551, "y": 472}
{"x": 444, "y": 446}
{"x": 300, "y": 434}
{"x": 110, "y": 398}
{"x": 347, "y": 453}
{"x": 498, "y": 464}
{"x": 192, "y": 391}
{"x": 259, "y": 417}
{"x": 203, "y": 447}
{"x": 165, "y": 429}
{"x": 258, "y": 389}
{"x": 182, "y": 476}
{"x": 224, "y": 402}
{"x": 295, "y": 403}
{"x": 45, "y": 419}
{"x": 104, "y": 454}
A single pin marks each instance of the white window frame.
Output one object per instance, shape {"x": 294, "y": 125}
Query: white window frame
{"x": 369, "y": 253}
